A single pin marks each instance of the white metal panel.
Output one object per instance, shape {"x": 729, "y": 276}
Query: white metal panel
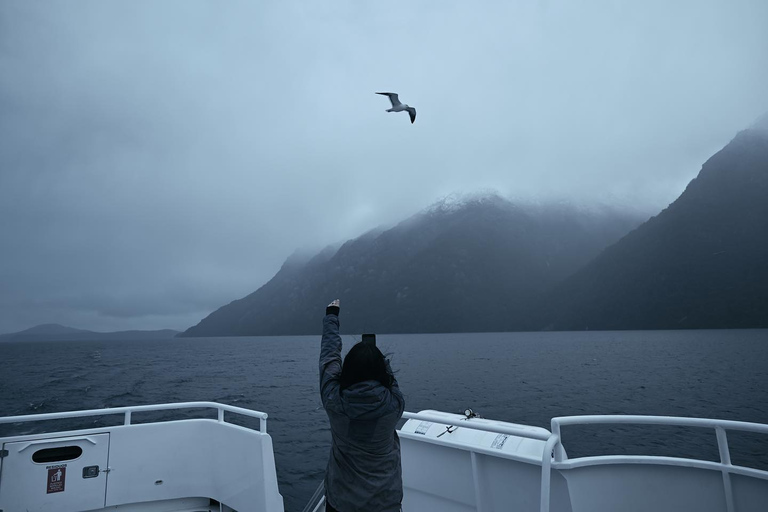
{"x": 511, "y": 485}
{"x": 749, "y": 494}
{"x": 158, "y": 461}
{"x": 56, "y": 486}
{"x": 450, "y": 476}
{"x": 644, "y": 487}
{"x": 436, "y": 477}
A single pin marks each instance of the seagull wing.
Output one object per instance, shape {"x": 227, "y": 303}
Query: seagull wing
{"x": 392, "y": 98}
{"x": 412, "y": 113}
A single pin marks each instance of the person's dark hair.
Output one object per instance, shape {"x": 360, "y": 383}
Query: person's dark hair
{"x": 364, "y": 361}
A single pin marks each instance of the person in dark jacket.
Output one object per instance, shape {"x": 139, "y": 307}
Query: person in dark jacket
{"x": 364, "y": 404}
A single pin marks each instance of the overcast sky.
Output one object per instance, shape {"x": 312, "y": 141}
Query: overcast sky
{"x": 160, "y": 159}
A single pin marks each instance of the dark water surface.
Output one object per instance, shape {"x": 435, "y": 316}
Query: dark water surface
{"x": 519, "y": 377}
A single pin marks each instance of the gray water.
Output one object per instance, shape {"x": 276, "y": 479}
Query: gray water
{"x": 519, "y": 377}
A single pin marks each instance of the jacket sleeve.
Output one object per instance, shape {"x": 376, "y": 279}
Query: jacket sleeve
{"x": 395, "y": 390}
{"x": 330, "y": 360}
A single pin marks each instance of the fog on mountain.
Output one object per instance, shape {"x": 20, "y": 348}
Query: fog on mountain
{"x": 472, "y": 265}
{"x": 160, "y": 160}
{"x": 487, "y": 264}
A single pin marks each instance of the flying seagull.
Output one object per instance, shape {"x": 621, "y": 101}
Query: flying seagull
{"x": 397, "y": 106}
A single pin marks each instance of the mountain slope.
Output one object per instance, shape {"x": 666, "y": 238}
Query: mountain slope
{"x": 56, "y": 332}
{"x": 469, "y": 266}
{"x": 701, "y": 263}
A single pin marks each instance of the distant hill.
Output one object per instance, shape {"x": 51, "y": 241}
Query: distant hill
{"x": 471, "y": 265}
{"x": 701, "y": 263}
{"x": 56, "y": 332}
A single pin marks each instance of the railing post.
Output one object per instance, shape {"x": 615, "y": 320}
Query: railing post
{"x": 476, "y": 483}
{"x": 722, "y": 445}
{"x": 725, "y": 460}
{"x": 127, "y": 417}
{"x": 559, "y": 451}
{"x": 263, "y": 424}
{"x": 221, "y": 414}
{"x": 546, "y": 471}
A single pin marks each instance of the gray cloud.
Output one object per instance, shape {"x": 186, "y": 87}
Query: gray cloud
{"x": 159, "y": 159}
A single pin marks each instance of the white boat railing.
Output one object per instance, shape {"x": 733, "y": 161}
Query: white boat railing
{"x": 485, "y": 427}
{"x": 555, "y": 453}
{"x": 719, "y": 426}
{"x": 551, "y": 440}
{"x": 128, "y": 411}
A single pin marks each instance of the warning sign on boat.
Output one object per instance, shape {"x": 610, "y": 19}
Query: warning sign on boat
{"x": 498, "y": 443}
{"x": 57, "y": 475}
{"x": 423, "y": 427}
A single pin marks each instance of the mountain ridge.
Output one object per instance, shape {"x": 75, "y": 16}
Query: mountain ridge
{"x": 58, "y": 332}
{"x": 700, "y": 263}
{"x": 482, "y": 263}
{"x": 470, "y": 264}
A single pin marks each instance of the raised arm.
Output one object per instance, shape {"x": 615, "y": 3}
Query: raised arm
{"x": 330, "y": 354}
{"x": 395, "y": 389}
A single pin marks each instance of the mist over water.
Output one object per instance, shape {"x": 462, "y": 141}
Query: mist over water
{"x": 518, "y": 377}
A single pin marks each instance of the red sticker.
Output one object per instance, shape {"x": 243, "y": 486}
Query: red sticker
{"x": 56, "y": 478}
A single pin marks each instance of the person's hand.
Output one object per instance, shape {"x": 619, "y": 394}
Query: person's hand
{"x": 333, "y": 308}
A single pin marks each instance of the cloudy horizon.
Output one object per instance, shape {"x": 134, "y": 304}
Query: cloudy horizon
{"x": 159, "y": 160}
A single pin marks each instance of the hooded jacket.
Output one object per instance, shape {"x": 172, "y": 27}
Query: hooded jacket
{"x": 364, "y": 472}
